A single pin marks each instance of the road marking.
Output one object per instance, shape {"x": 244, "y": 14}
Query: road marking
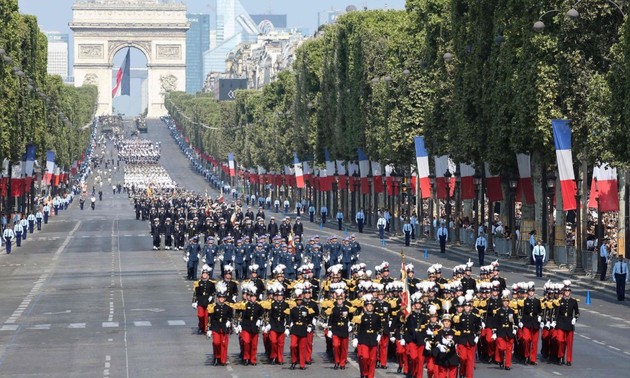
{"x": 142, "y": 323}
{"x": 148, "y": 309}
{"x": 40, "y": 327}
{"x": 585, "y": 337}
{"x": 76, "y": 325}
{"x": 556, "y": 373}
{"x": 176, "y": 323}
{"x": 9, "y": 327}
{"x": 614, "y": 348}
{"x": 57, "y": 313}
{"x": 599, "y": 342}
{"x": 110, "y": 324}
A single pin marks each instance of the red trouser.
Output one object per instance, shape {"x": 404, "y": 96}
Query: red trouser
{"x": 466, "y": 354}
{"x": 401, "y": 355}
{"x": 340, "y": 350}
{"x": 267, "y": 344}
{"x": 432, "y": 367}
{"x": 447, "y": 372}
{"x": 382, "y": 349}
{"x": 220, "y": 345}
{"x": 565, "y": 341}
{"x": 298, "y": 350}
{"x": 554, "y": 342}
{"x": 250, "y": 346}
{"x": 504, "y": 350}
{"x": 309, "y": 346}
{"x": 276, "y": 341}
{"x": 490, "y": 344}
{"x": 367, "y": 360}
{"x": 530, "y": 343}
{"x": 545, "y": 349}
{"x": 415, "y": 354}
{"x": 202, "y": 314}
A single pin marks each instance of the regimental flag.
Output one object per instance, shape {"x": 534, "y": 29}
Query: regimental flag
{"x": 442, "y": 164}
{"x": 467, "y": 171}
{"x": 50, "y": 167}
{"x": 525, "y": 186}
{"x": 405, "y": 303}
{"x": 377, "y": 177}
{"x": 604, "y": 187}
{"x": 562, "y": 140}
{"x": 493, "y": 185}
{"x": 123, "y": 78}
{"x": 299, "y": 173}
{"x": 364, "y": 170}
{"x": 231, "y": 165}
{"x": 30, "y": 160}
{"x": 341, "y": 172}
{"x": 16, "y": 180}
{"x": 422, "y": 159}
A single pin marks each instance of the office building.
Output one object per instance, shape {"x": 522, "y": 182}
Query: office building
{"x": 197, "y": 42}
{"x": 58, "y": 54}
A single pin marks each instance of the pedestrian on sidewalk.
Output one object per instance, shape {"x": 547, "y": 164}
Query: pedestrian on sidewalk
{"x": 323, "y": 211}
{"x": 340, "y": 219}
{"x": 442, "y": 237}
{"x": 538, "y": 254}
{"x": 407, "y": 229}
{"x": 311, "y": 212}
{"x": 360, "y": 219}
{"x": 604, "y": 257}
{"x": 381, "y": 224}
{"x": 481, "y": 245}
{"x": 620, "y": 276}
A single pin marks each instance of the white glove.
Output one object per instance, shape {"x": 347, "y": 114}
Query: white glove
{"x": 286, "y": 332}
{"x": 494, "y": 336}
{"x": 258, "y": 323}
{"x": 445, "y": 341}
{"x": 402, "y": 342}
{"x": 265, "y": 265}
{"x": 221, "y": 258}
{"x": 476, "y": 339}
{"x": 268, "y": 328}
{"x": 427, "y": 345}
{"x": 539, "y": 319}
{"x": 234, "y": 298}
{"x": 520, "y": 324}
{"x": 309, "y": 329}
{"x": 209, "y": 333}
{"x": 573, "y": 321}
{"x": 210, "y": 298}
{"x": 378, "y": 338}
{"x": 483, "y": 325}
{"x": 542, "y": 325}
{"x": 548, "y": 325}
{"x": 553, "y": 324}
{"x": 329, "y": 334}
{"x": 228, "y": 324}
{"x": 514, "y": 332}
{"x": 194, "y": 304}
{"x": 429, "y": 332}
{"x": 186, "y": 259}
{"x": 442, "y": 348}
{"x": 314, "y": 322}
{"x": 355, "y": 343}
{"x": 349, "y": 327}
{"x": 238, "y": 329}
{"x": 392, "y": 339}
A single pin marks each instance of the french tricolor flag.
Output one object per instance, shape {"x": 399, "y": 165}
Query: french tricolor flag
{"x": 299, "y": 173}
{"x": 30, "y": 159}
{"x": 231, "y": 165}
{"x": 50, "y": 167}
{"x": 467, "y": 172}
{"x": 123, "y": 78}
{"x": 604, "y": 187}
{"x": 562, "y": 140}
{"x": 422, "y": 159}
{"x": 341, "y": 172}
{"x": 377, "y": 177}
{"x": 442, "y": 164}
{"x": 364, "y": 170}
{"x": 525, "y": 186}
{"x": 327, "y": 176}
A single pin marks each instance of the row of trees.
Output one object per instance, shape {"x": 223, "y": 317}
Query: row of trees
{"x": 36, "y": 107}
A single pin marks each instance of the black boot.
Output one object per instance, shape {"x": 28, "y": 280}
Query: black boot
{"x": 215, "y": 362}
{"x": 292, "y": 366}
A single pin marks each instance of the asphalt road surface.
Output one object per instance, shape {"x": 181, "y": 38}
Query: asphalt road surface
{"x": 87, "y": 297}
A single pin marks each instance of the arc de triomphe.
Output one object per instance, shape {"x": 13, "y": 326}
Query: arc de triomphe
{"x": 104, "y": 27}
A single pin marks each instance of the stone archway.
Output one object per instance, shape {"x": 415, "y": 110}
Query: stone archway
{"x": 103, "y": 27}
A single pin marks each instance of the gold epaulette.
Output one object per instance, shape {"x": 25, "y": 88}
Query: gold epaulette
{"x": 356, "y": 319}
{"x": 326, "y": 303}
{"x": 311, "y": 311}
{"x": 458, "y": 333}
{"x": 211, "y": 308}
{"x": 456, "y": 319}
{"x": 357, "y": 302}
{"x": 328, "y": 311}
{"x": 351, "y": 310}
{"x": 556, "y": 302}
{"x": 266, "y": 304}
{"x": 287, "y": 311}
{"x": 240, "y": 306}
{"x": 196, "y": 284}
{"x": 494, "y": 312}
{"x": 291, "y": 303}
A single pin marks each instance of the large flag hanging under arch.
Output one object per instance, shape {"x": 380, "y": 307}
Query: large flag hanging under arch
{"x": 123, "y": 78}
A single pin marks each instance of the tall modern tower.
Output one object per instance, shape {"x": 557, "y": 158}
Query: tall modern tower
{"x": 233, "y": 26}
{"x": 58, "y": 54}
{"x": 197, "y": 42}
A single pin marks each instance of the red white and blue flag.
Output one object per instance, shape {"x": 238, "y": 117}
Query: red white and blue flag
{"x": 123, "y": 78}
{"x": 525, "y": 186}
{"x": 299, "y": 173}
{"x": 50, "y": 167}
{"x": 422, "y": 159}
{"x": 604, "y": 187}
{"x": 562, "y": 140}
{"x": 467, "y": 171}
{"x": 30, "y": 159}
{"x": 364, "y": 170}
{"x": 231, "y": 165}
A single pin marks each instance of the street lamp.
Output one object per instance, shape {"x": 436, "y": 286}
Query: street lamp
{"x": 447, "y": 205}
{"x": 579, "y": 268}
{"x": 458, "y": 180}
{"x": 599, "y": 233}
{"x": 513, "y": 183}
{"x": 550, "y": 179}
{"x": 477, "y": 182}
{"x": 431, "y": 206}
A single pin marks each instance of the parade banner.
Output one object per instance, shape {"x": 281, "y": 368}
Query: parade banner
{"x": 50, "y": 167}
{"x": 364, "y": 170}
{"x": 4, "y": 183}
{"x": 467, "y": 171}
{"x": 30, "y": 160}
{"x": 562, "y": 141}
{"x": 422, "y": 160}
{"x": 604, "y": 187}
{"x": 342, "y": 181}
{"x": 123, "y": 78}
{"x": 16, "y": 180}
{"x": 525, "y": 186}
{"x": 299, "y": 173}
{"x": 493, "y": 185}
{"x": 231, "y": 165}
{"x": 377, "y": 177}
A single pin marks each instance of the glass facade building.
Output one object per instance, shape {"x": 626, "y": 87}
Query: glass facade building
{"x": 197, "y": 43}
{"x": 58, "y": 54}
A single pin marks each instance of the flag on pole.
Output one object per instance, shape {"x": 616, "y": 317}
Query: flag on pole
{"x": 30, "y": 160}
{"x": 422, "y": 159}
{"x": 123, "y": 78}
{"x": 299, "y": 173}
{"x": 405, "y": 303}
{"x": 493, "y": 185}
{"x": 50, "y": 167}
{"x": 307, "y": 172}
{"x": 525, "y": 186}
{"x": 342, "y": 182}
{"x": 562, "y": 140}
{"x": 16, "y": 180}
{"x": 467, "y": 171}
{"x": 75, "y": 168}
{"x": 604, "y": 185}
{"x": 377, "y": 176}
{"x": 364, "y": 170}
{"x": 442, "y": 164}
{"x": 329, "y": 172}
{"x": 5, "y": 178}
{"x": 231, "y": 164}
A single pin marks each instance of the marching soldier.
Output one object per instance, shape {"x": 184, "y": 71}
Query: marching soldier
{"x": 299, "y": 317}
{"x": 168, "y": 230}
{"x": 468, "y": 326}
{"x": 414, "y": 337}
{"x": 277, "y": 324}
{"x": 8, "y": 236}
{"x": 24, "y": 224}
{"x": 221, "y": 315}
{"x": 39, "y": 216}
{"x": 313, "y": 310}
{"x": 504, "y": 332}
{"x": 339, "y": 328}
{"x": 368, "y": 337}
{"x": 156, "y": 231}
{"x": 531, "y": 321}
{"x": 31, "y": 222}
{"x": 203, "y": 290}
{"x": 431, "y": 341}
{"x": 252, "y": 313}
{"x": 446, "y": 356}
{"x": 192, "y": 257}
{"x": 210, "y": 251}
{"x": 566, "y": 316}
{"x": 17, "y": 230}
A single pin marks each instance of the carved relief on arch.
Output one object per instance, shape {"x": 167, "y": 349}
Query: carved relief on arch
{"x": 90, "y": 79}
{"x": 168, "y": 83}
